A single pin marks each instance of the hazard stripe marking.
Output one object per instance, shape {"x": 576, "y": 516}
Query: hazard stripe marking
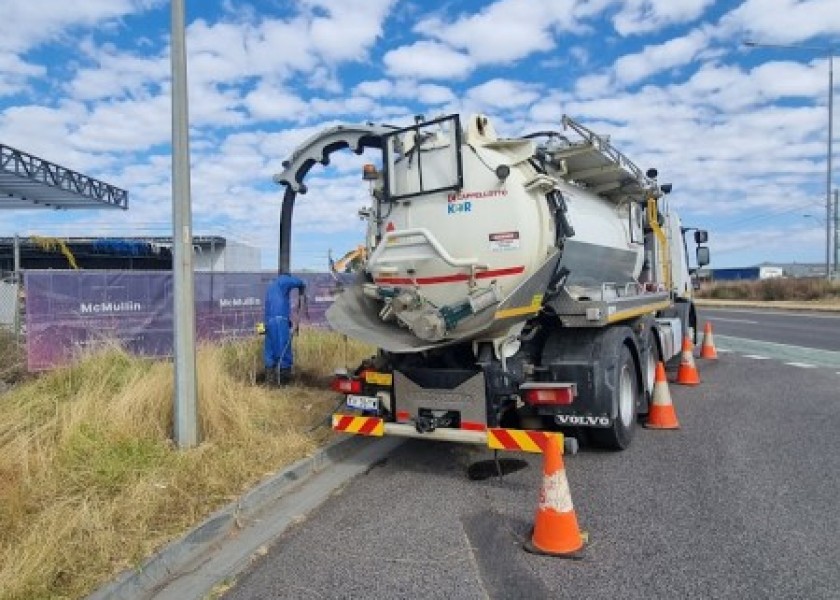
{"x": 368, "y": 427}
{"x": 373, "y": 426}
{"x": 522, "y": 440}
{"x": 755, "y": 357}
{"x": 525, "y": 441}
{"x": 343, "y": 422}
{"x": 502, "y": 438}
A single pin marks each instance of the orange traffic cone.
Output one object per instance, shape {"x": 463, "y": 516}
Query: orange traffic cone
{"x": 708, "y": 350}
{"x": 556, "y": 531}
{"x": 661, "y": 414}
{"x": 687, "y": 373}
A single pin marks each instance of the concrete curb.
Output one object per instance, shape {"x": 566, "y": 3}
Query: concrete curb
{"x": 777, "y": 305}
{"x": 223, "y": 544}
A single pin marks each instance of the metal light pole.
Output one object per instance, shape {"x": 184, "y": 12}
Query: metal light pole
{"x": 185, "y": 406}
{"x": 828, "y": 170}
{"x": 837, "y": 234}
{"x": 829, "y": 51}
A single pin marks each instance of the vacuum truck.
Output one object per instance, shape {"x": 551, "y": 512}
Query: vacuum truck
{"x": 510, "y": 285}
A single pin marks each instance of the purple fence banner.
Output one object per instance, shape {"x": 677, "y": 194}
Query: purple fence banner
{"x": 70, "y": 311}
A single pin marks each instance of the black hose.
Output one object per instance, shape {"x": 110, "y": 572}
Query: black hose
{"x": 556, "y": 134}
{"x": 327, "y": 420}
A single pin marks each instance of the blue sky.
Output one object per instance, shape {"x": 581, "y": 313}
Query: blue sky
{"x": 740, "y": 132}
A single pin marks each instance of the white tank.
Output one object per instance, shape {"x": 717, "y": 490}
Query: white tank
{"x": 468, "y": 231}
{"x": 444, "y": 250}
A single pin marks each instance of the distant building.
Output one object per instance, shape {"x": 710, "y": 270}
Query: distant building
{"x": 804, "y": 269}
{"x": 763, "y": 271}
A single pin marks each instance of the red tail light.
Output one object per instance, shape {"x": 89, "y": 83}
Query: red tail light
{"x": 346, "y": 385}
{"x": 556, "y": 394}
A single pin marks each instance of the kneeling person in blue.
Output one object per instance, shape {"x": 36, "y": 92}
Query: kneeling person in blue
{"x": 278, "y": 328}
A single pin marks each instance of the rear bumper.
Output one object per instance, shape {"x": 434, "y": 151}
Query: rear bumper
{"x": 516, "y": 440}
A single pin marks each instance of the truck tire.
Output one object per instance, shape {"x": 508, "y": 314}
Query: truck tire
{"x": 625, "y": 395}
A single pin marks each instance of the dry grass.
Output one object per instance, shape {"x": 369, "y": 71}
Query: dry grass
{"x": 90, "y": 483}
{"x": 12, "y": 359}
{"x": 772, "y": 289}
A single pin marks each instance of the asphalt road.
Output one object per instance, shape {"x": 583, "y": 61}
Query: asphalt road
{"x": 742, "y": 502}
{"x": 813, "y": 330}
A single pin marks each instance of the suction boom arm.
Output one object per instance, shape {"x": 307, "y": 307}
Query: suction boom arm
{"x": 317, "y": 149}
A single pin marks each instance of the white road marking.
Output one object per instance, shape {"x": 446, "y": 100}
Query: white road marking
{"x": 777, "y": 313}
{"x": 716, "y": 319}
{"x": 801, "y": 365}
{"x": 781, "y": 352}
{"x": 756, "y": 356}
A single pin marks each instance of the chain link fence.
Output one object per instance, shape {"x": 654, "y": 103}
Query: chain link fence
{"x": 10, "y": 302}
{"x": 12, "y": 355}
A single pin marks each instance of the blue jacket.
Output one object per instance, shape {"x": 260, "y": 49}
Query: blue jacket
{"x": 277, "y": 296}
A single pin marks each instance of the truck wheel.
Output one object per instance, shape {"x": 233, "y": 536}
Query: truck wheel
{"x": 625, "y": 396}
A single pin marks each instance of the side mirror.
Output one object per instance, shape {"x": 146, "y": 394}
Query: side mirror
{"x": 701, "y": 236}
{"x": 702, "y": 255}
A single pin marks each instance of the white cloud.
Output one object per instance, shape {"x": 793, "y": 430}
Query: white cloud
{"x": 427, "y": 60}
{"x": 429, "y": 93}
{"x": 403, "y": 89}
{"x": 349, "y": 28}
{"x": 15, "y": 72}
{"x": 596, "y": 84}
{"x": 783, "y": 21}
{"x": 730, "y": 89}
{"x": 340, "y": 106}
{"x": 645, "y": 16}
{"x": 676, "y": 52}
{"x": 26, "y": 25}
{"x": 117, "y": 74}
{"x": 45, "y": 131}
{"x": 505, "y": 31}
{"x": 375, "y": 89}
{"x": 781, "y": 79}
{"x": 503, "y": 94}
{"x": 232, "y": 52}
{"x": 125, "y": 126}
{"x": 271, "y": 101}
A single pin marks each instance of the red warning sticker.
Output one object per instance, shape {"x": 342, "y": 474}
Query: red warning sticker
{"x": 504, "y": 240}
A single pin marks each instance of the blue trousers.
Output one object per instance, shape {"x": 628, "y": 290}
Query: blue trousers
{"x": 278, "y": 344}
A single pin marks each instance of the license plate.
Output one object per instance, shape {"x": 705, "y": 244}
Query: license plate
{"x": 362, "y": 402}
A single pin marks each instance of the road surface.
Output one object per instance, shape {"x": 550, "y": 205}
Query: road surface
{"x": 812, "y": 330}
{"x": 739, "y": 503}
